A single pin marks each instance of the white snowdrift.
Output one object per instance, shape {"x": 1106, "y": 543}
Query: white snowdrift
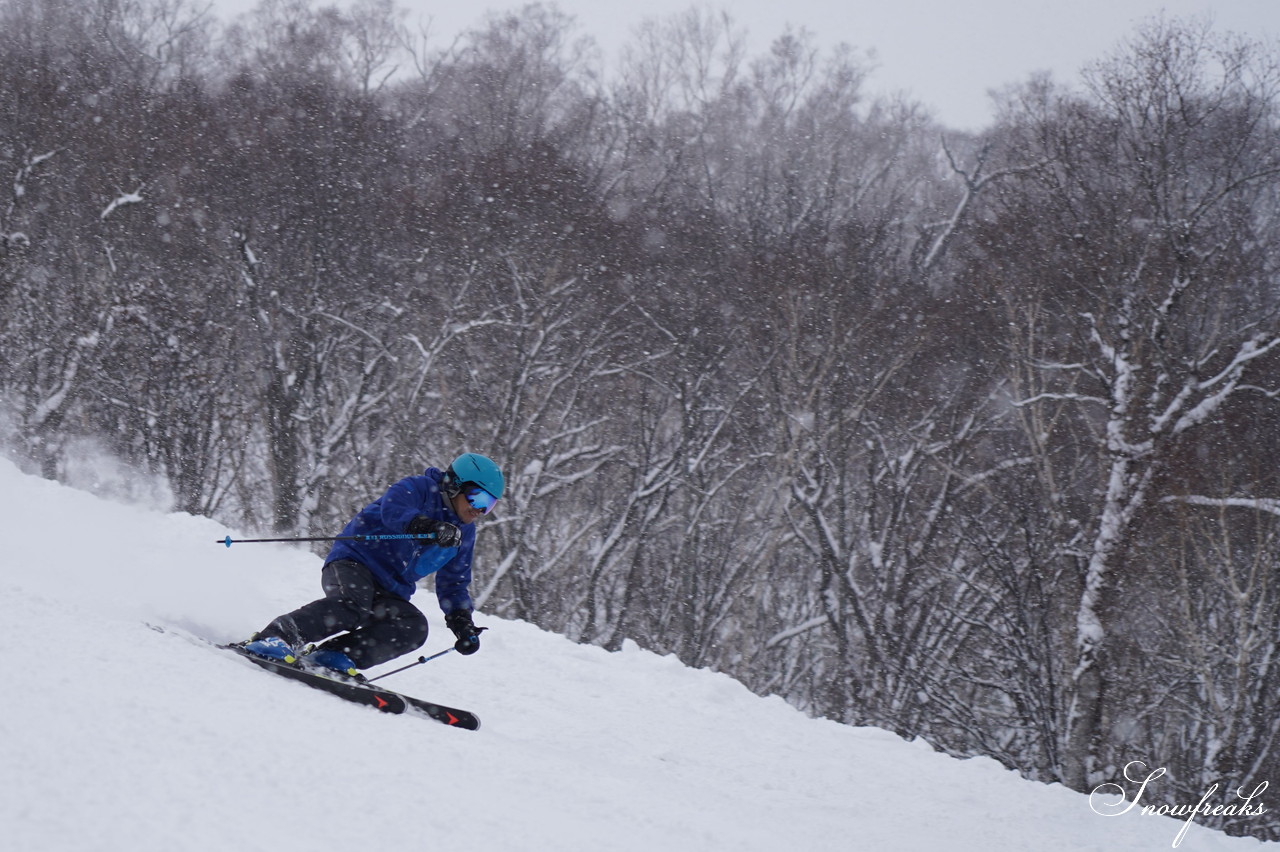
{"x": 114, "y": 736}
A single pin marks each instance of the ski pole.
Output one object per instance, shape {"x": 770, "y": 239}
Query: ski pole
{"x": 228, "y": 541}
{"x": 417, "y": 662}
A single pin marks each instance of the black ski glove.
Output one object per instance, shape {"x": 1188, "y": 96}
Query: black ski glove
{"x": 442, "y": 533}
{"x": 459, "y": 621}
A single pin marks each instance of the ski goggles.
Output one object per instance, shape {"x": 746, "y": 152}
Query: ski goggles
{"x": 482, "y": 501}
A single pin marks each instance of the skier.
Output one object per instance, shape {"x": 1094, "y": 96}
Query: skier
{"x": 367, "y": 584}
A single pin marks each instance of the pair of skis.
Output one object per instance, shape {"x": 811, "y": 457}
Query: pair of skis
{"x": 363, "y": 692}
{"x": 348, "y": 688}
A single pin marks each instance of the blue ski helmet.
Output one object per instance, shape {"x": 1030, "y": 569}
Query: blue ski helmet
{"x": 473, "y": 467}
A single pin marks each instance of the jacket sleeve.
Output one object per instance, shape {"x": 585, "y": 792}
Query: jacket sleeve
{"x": 453, "y": 580}
{"x": 404, "y": 501}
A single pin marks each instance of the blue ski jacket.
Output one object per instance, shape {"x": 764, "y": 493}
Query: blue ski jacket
{"x": 399, "y": 564}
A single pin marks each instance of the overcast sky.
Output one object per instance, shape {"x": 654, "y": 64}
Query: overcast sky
{"x": 945, "y": 53}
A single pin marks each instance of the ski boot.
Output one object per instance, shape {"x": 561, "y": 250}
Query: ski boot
{"x": 271, "y": 648}
{"x": 334, "y": 661}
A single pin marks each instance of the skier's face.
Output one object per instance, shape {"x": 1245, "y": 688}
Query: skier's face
{"x": 464, "y": 510}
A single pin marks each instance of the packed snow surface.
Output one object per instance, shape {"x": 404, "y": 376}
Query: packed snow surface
{"x": 119, "y": 736}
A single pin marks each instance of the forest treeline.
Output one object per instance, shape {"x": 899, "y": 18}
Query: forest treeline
{"x": 969, "y": 436}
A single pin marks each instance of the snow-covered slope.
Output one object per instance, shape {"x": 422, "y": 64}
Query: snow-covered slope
{"x": 114, "y": 736}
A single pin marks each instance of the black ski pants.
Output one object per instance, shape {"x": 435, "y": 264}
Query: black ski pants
{"x": 373, "y": 625}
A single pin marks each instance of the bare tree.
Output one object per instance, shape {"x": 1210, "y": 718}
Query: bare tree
{"x": 1160, "y": 318}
